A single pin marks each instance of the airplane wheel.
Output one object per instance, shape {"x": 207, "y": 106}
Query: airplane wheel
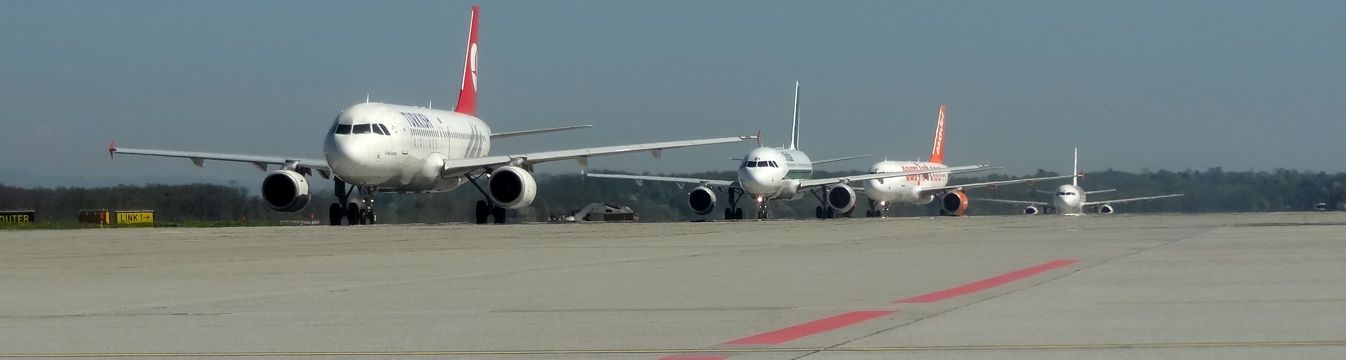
{"x": 370, "y": 218}
{"x": 829, "y": 213}
{"x": 738, "y": 213}
{"x": 761, "y": 215}
{"x": 728, "y": 214}
{"x": 353, "y": 214}
{"x": 335, "y": 213}
{"x": 483, "y": 211}
{"x": 499, "y": 213}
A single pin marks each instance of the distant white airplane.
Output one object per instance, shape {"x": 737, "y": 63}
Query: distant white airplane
{"x": 924, "y": 189}
{"x": 769, "y": 173}
{"x": 1069, "y": 199}
{"x": 375, "y": 147}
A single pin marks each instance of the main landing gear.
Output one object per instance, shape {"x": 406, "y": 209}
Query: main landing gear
{"x": 361, "y": 213}
{"x": 733, "y": 212}
{"x": 826, "y": 211}
{"x": 876, "y": 209}
{"x": 487, "y": 208}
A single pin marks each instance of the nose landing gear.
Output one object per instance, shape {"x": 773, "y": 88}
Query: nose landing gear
{"x": 361, "y": 213}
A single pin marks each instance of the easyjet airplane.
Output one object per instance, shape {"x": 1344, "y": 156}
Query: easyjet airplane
{"x": 769, "y": 173}
{"x": 924, "y": 189}
{"x": 375, "y": 147}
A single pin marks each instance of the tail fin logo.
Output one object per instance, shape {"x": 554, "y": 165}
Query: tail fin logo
{"x": 472, "y": 65}
{"x": 937, "y": 151}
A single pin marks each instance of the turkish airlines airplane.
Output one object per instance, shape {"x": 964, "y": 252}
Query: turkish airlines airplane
{"x": 1069, "y": 199}
{"x": 924, "y": 189}
{"x": 770, "y": 173}
{"x": 375, "y": 147}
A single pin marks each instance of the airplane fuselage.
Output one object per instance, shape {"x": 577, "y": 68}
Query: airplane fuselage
{"x": 1069, "y": 200}
{"x": 403, "y": 148}
{"x": 905, "y": 189}
{"x": 774, "y": 173}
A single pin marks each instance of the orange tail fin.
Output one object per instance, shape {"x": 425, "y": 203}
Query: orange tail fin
{"x": 467, "y": 95}
{"x": 937, "y": 153}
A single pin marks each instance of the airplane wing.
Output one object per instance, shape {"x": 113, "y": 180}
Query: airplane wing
{"x": 816, "y": 162}
{"x": 1091, "y": 203}
{"x": 862, "y": 177}
{"x": 581, "y": 155}
{"x": 261, "y": 162}
{"x": 1100, "y": 191}
{"x": 510, "y": 134}
{"x": 992, "y": 184}
{"x": 680, "y": 180}
{"x": 1015, "y": 202}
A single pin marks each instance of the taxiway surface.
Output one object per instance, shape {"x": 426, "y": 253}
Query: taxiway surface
{"x": 1123, "y": 286}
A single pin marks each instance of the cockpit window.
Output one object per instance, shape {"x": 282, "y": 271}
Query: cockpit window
{"x": 361, "y": 129}
{"x": 343, "y": 129}
{"x": 385, "y": 129}
{"x": 750, "y": 164}
{"x": 378, "y": 129}
{"x": 773, "y": 164}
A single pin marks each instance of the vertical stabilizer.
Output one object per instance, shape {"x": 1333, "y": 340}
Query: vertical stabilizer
{"x": 467, "y": 94}
{"x": 937, "y": 151}
{"x": 1075, "y": 169}
{"x": 794, "y": 121}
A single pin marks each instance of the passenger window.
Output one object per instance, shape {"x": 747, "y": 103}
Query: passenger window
{"x": 361, "y": 129}
{"x": 343, "y": 129}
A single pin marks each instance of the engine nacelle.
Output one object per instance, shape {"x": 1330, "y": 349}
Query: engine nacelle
{"x": 841, "y": 198}
{"x": 1031, "y": 210}
{"x": 702, "y": 200}
{"x": 953, "y": 203}
{"x": 285, "y": 190}
{"x": 512, "y": 187}
{"x": 1105, "y": 209}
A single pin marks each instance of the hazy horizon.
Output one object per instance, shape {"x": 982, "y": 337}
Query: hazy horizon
{"x": 1241, "y": 85}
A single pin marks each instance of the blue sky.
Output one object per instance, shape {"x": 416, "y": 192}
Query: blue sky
{"x": 1140, "y": 84}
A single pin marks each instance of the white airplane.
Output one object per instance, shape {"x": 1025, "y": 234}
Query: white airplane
{"x": 923, "y": 189}
{"x": 768, "y": 173}
{"x": 376, "y": 147}
{"x": 1069, "y": 199}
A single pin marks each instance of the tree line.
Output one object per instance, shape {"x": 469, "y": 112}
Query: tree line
{"x": 1212, "y": 190}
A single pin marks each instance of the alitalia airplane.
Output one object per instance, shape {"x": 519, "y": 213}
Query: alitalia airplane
{"x": 1070, "y": 199}
{"x": 375, "y": 147}
{"x": 771, "y": 173}
{"x": 924, "y": 189}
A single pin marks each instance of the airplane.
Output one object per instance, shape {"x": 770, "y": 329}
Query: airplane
{"x": 924, "y": 189}
{"x": 1069, "y": 199}
{"x": 376, "y": 147}
{"x": 781, "y": 173}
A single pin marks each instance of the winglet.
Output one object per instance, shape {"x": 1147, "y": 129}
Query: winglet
{"x": 758, "y": 137}
{"x": 467, "y": 94}
{"x": 937, "y": 151}
{"x": 112, "y": 149}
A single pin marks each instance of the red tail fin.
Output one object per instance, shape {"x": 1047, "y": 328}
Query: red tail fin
{"x": 937, "y": 153}
{"x": 467, "y": 95}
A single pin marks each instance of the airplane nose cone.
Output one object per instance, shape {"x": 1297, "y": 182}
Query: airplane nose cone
{"x": 756, "y": 181}
{"x": 347, "y": 156}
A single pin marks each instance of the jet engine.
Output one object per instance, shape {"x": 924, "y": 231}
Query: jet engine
{"x": 1031, "y": 210}
{"x": 841, "y": 198}
{"x": 285, "y": 190}
{"x": 1105, "y": 209}
{"x": 953, "y": 203}
{"x": 512, "y": 187}
{"x": 701, "y": 200}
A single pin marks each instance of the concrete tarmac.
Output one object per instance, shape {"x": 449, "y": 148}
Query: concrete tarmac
{"x": 1032, "y": 287}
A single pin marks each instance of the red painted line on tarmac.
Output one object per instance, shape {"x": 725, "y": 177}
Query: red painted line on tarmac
{"x": 987, "y": 283}
{"x": 694, "y": 357}
{"x": 811, "y": 328}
